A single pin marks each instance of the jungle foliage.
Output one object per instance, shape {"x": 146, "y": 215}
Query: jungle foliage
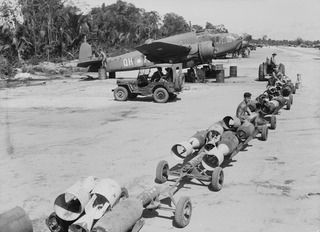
{"x": 38, "y": 30}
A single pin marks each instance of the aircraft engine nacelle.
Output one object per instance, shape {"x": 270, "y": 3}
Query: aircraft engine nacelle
{"x": 206, "y": 51}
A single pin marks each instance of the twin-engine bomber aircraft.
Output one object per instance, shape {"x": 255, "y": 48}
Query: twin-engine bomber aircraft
{"x": 190, "y": 49}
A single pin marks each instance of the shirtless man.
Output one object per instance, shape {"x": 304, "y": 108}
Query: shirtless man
{"x": 243, "y": 111}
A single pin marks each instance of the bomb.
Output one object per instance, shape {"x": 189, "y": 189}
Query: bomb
{"x": 215, "y": 156}
{"x": 15, "y": 220}
{"x": 127, "y": 214}
{"x": 82, "y": 204}
{"x": 182, "y": 150}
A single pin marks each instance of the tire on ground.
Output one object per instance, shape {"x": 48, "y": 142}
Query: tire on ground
{"x": 273, "y": 122}
{"x": 261, "y": 73}
{"x": 120, "y": 93}
{"x": 291, "y": 99}
{"x": 183, "y": 212}
{"x": 161, "y": 95}
{"x": 264, "y": 133}
{"x": 288, "y": 104}
{"x": 162, "y": 172}
{"x": 217, "y": 179}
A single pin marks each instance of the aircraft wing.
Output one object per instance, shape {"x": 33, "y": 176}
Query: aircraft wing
{"x": 163, "y": 52}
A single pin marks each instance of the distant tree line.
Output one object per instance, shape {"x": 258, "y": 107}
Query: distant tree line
{"x": 296, "y": 42}
{"x": 38, "y": 30}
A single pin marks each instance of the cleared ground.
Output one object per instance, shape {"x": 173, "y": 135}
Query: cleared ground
{"x": 52, "y": 135}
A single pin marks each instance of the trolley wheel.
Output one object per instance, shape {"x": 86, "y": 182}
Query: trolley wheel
{"x": 120, "y": 94}
{"x": 288, "y": 104}
{"x": 183, "y": 212}
{"x": 217, "y": 179}
{"x": 291, "y": 99}
{"x": 261, "y": 74}
{"x": 264, "y": 133}
{"x": 162, "y": 172}
{"x": 273, "y": 122}
{"x": 161, "y": 95}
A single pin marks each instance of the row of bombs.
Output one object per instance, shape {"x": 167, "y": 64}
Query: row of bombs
{"x": 204, "y": 155}
{"x": 101, "y": 205}
{"x": 276, "y": 96}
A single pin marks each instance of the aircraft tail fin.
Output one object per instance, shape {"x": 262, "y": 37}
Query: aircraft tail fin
{"x": 85, "y": 52}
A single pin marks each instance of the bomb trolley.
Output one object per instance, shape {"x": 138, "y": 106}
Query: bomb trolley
{"x": 206, "y": 163}
{"x": 128, "y": 214}
{"x": 78, "y": 209}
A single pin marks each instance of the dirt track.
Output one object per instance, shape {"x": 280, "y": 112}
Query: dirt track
{"x": 50, "y": 136}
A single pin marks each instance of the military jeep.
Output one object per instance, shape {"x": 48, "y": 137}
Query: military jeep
{"x": 162, "y": 90}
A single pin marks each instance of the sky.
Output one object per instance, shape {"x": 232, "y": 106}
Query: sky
{"x": 278, "y": 19}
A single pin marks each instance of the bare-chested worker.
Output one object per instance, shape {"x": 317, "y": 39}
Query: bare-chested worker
{"x": 243, "y": 111}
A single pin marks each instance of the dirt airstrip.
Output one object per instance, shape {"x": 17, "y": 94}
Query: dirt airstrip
{"x": 55, "y": 134}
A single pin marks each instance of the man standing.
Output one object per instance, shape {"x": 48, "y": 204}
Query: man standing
{"x": 243, "y": 111}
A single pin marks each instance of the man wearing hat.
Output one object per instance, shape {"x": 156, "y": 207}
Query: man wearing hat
{"x": 273, "y": 61}
{"x": 243, "y": 111}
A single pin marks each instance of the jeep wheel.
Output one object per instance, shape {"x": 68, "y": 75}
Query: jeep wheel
{"x": 161, "y": 95}
{"x": 120, "y": 94}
